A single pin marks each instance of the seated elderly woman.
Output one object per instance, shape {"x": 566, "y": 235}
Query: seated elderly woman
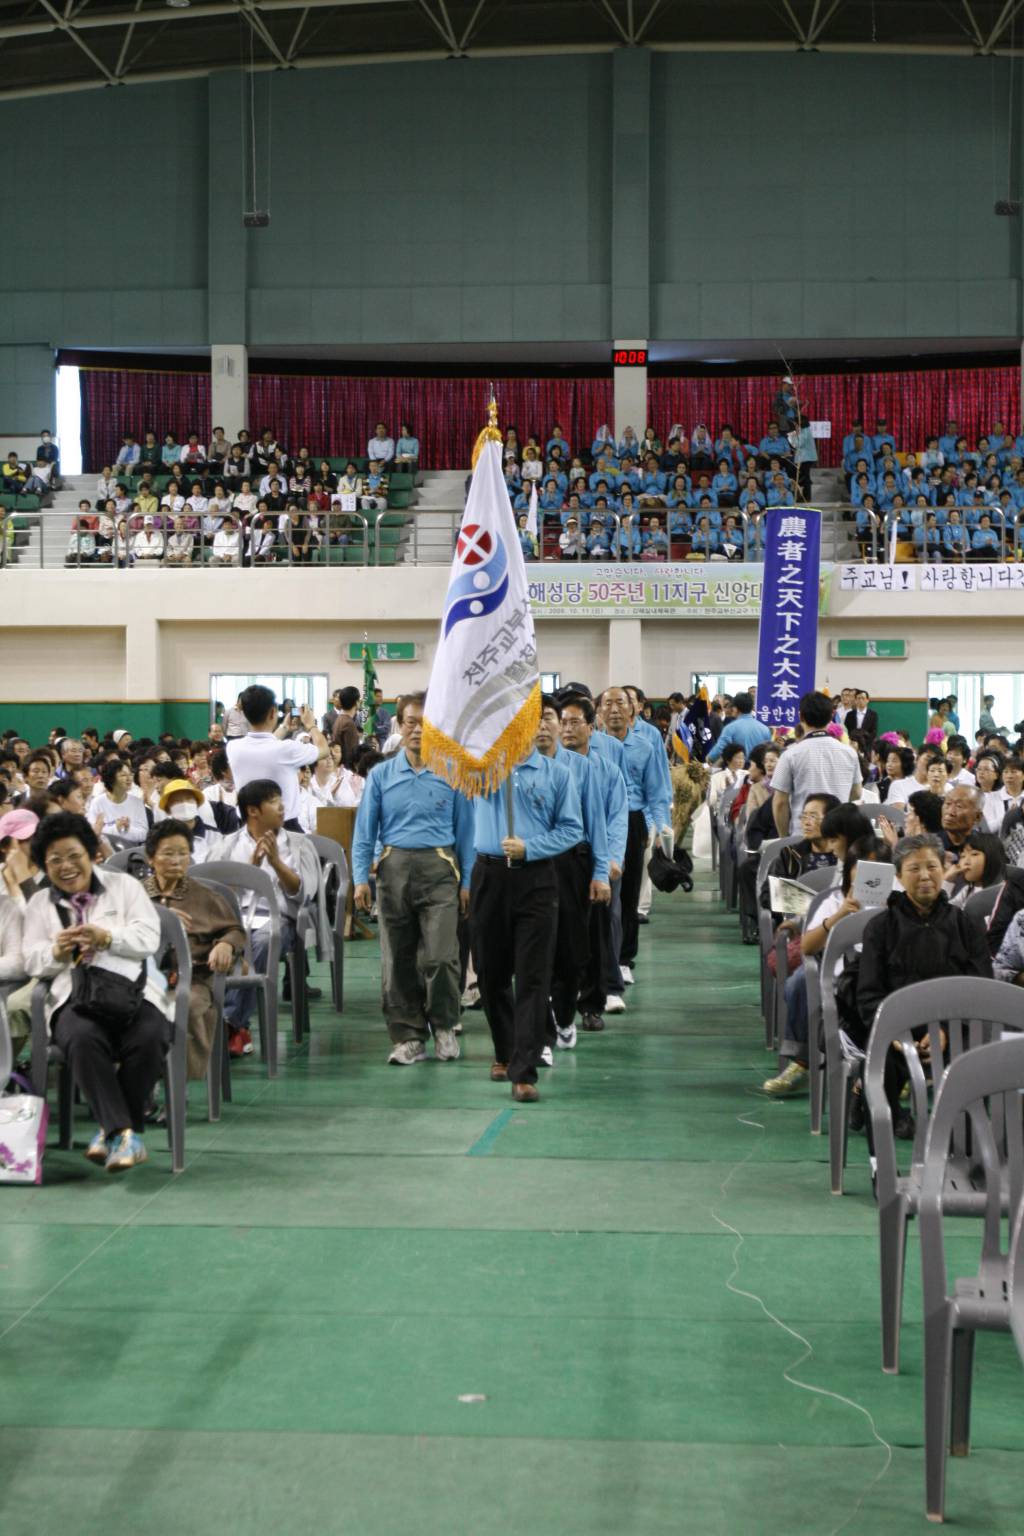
{"x": 215, "y": 938}
{"x": 918, "y": 936}
{"x": 93, "y": 936}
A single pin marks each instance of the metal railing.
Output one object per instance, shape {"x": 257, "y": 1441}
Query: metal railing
{"x": 886, "y": 537}
{"x": 339, "y": 539}
{"x": 428, "y": 538}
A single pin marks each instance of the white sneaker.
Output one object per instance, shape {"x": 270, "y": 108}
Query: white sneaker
{"x": 626, "y": 974}
{"x": 547, "y": 1058}
{"x": 615, "y": 1003}
{"x": 471, "y": 997}
{"x": 407, "y": 1054}
{"x": 446, "y": 1046}
{"x": 565, "y": 1039}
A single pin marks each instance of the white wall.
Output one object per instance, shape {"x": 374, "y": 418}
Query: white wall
{"x": 143, "y": 635}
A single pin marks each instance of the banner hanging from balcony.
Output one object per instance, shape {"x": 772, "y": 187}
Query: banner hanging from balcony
{"x": 788, "y": 642}
{"x": 628, "y": 589}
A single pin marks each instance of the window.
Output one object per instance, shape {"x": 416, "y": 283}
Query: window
{"x": 301, "y": 687}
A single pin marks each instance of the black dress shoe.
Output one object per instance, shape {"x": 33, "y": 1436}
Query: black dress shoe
{"x": 642, "y": 917}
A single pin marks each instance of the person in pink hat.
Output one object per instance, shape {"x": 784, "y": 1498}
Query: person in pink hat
{"x": 21, "y": 878}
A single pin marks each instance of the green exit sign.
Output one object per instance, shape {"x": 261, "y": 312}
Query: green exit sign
{"x": 871, "y": 650}
{"x": 384, "y": 650}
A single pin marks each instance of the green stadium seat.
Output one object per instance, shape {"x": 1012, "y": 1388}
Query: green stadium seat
{"x": 401, "y": 481}
{"x": 399, "y": 499}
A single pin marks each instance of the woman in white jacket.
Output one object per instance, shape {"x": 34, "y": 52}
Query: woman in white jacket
{"x": 92, "y": 920}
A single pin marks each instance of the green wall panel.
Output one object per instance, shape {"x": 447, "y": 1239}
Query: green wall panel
{"x": 679, "y": 196}
{"x": 185, "y": 717}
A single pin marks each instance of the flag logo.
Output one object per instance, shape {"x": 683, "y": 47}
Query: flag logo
{"x": 482, "y": 588}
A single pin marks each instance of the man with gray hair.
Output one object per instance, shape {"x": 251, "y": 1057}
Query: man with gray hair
{"x": 962, "y": 809}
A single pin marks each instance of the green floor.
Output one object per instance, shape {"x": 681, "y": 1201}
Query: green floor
{"x": 381, "y": 1302}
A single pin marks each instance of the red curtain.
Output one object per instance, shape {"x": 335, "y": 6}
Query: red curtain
{"x": 120, "y": 400}
{"x": 916, "y": 405}
{"x": 335, "y": 416}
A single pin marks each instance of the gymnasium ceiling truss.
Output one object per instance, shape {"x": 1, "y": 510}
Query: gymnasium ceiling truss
{"x": 51, "y": 46}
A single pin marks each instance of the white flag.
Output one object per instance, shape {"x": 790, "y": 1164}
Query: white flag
{"x": 483, "y": 703}
{"x": 531, "y": 516}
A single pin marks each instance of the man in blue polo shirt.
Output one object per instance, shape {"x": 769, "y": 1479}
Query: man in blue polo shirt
{"x": 744, "y": 731}
{"x": 425, "y": 832}
{"x": 582, "y": 881}
{"x": 520, "y": 829}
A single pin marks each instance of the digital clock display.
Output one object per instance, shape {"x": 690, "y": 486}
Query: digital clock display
{"x": 629, "y": 357}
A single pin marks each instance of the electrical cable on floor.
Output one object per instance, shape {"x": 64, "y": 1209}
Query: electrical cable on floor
{"x": 808, "y": 1347}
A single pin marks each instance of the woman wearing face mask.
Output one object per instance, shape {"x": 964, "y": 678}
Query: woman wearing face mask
{"x": 182, "y": 802}
{"x": 215, "y": 939}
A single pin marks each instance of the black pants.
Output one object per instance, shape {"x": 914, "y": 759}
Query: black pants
{"x": 803, "y": 476}
{"x": 115, "y": 1069}
{"x": 594, "y": 986}
{"x": 746, "y": 891}
{"x": 513, "y": 918}
{"x": 572, "y": 946}
{"x": 632, "y": 879}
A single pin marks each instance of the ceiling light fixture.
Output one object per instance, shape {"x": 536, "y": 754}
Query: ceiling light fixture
{"x": 180, "y": 5}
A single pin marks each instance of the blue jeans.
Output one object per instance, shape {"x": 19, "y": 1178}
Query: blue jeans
{"x": 797, "y": 1018}
{"x": 239, "y": 1002}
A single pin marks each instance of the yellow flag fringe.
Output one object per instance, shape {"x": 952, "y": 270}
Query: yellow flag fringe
{"x": 480, "y": 775}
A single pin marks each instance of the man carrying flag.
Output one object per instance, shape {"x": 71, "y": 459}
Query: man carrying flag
{"x": 480, "y": 725}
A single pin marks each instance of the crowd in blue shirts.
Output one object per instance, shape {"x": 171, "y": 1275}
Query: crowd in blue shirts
{"x": 689, "y": 495}
{"x": 948, "y": 501}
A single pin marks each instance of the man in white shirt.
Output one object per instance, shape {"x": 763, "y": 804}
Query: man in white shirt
{"x": 381, "y": 445}
{"x": 265, "y": 845}
{"x": 817, "y": 764}
{"x": 263, "y": 755}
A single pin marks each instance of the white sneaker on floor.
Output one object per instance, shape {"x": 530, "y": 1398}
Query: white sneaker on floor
{"x": 627, "y": 975}
{"x": 446, "y": 1045}
{"x": 407, "y": 1054}
{"x": 565, "y": 1039}
{"x": 615, "y": 1003}
{"x": 547, "y": 1057}
{"x": 471, "y": 997}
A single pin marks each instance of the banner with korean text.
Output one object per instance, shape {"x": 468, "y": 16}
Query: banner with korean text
{"x": 788, "y": 642}
{"x": 656, "y": 590}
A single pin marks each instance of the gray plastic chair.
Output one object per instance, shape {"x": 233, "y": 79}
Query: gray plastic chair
{"x": 843, "y": 944}
{"x": 812, "y": 981}
{"x": 128, "y": 861}
{"x": 218, "y": 1070}
{"x": 1016, "y": 1281}
{"x": 6, "y": 1049}
{"x": 979, "y": 1091}
{"x": 825, "y": 878}
{"x": 45, "y": 1052}
{"x": 769, "y": 940}
{"x": 874, "y": 812}
{"x": 972, "y": 1011}
{"x": 727, "y": 881}
{"x": 249, "y": 878}
{"x": 334, "y": 867}
{"x": 982, "y": 904}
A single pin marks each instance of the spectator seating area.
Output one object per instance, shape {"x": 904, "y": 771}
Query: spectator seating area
{"x": 682, "y": 494}
{"x": 911, "y": 1061}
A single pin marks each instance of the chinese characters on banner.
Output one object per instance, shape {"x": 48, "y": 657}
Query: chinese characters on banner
{"x": 788, "y": 639}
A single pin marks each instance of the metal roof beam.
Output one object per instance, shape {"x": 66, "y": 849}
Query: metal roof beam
{"x": 262, "y": 31}
{"x": 818, "y": 24}
{"x": 66, "y": 26}
{"x": 1007, "y": 15}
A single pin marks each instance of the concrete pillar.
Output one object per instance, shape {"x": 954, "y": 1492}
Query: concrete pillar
{"x": 630, "y": 393}
{"x": 625, "y": 651}
{"x": 229, "y": 388}
{"x": 142, "y": 657}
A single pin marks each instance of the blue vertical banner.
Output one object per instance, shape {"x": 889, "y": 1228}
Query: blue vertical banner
{"x": 788, "y": 641}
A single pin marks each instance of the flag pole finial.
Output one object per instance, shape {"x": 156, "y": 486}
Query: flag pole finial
{"x": 492, "y": 432}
